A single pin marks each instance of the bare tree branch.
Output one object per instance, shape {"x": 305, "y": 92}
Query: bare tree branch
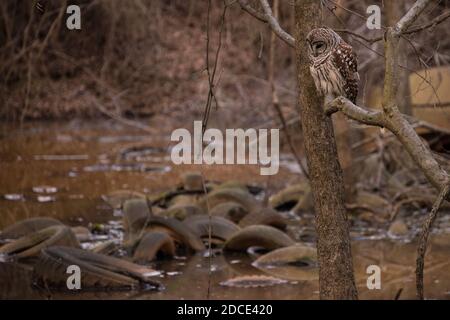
{"x": 429, "y": 24}
{"x": 212, "y": 74}
{"x": 439, "y": 19}
{"x": 250, "y": 10}
{"x": 119, "y": 118}
{"x": 267, "y": 17}
{"x": 374, "y": 118}
{"x": 422, "y": 249}
{"x": 360, "y": 36}
{"x": 408, "y": 19}
{"x": 402, "y": 129}
{"x": 275, "y": 26}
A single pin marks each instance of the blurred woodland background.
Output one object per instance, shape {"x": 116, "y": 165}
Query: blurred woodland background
{"x": 147, "y": 58}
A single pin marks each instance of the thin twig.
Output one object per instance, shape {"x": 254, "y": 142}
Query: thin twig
{"x": 359, "y": 15}
{"x": 398, "y": 294}
{"x": 267, "y": 17}
{"x": 275, "y": 26}
{"x": 401, "y": 203}
{"x": 430, "y": 24}
{"x": 250, "y": 10}
{"x": 408, "y": 19}
{"x": 211, "y": 74}
{"x": 414, "y": 29}
{"x": 211, "y": 97}
{"x": 205, "y": 191}
{"x": 420, "y": 262}
{"x": 121, "y": 119}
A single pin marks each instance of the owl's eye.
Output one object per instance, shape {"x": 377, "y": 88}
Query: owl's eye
{"x": 319, "y": 47}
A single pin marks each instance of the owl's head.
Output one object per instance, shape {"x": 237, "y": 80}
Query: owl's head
{"x": 321, "y": 41}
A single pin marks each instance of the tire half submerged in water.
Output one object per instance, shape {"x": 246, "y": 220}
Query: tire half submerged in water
{"x": 30, "y": 245}
{"x": 266, "y": 237}
{"x": 221, "y": 229}
{"x": 98, "y": 272}
{"x": 296, "y": 262}
{"x": 176, "y": 229}
{"x": 152, "y": 244}
{"x": 27, "y": 226}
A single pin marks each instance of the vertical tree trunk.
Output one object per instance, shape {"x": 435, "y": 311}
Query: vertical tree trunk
{"x": 343, "y": 133}
{"x": 336, "y": 277}
{"x": 394, "y": 11}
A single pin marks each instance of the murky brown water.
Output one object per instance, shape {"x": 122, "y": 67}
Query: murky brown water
{"x": 64, "y": 170}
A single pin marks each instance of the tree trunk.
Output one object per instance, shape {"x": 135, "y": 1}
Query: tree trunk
{"x": 344, "y": 132}
{"x": 394, "y": 11}
{"x": 336, "y": 279}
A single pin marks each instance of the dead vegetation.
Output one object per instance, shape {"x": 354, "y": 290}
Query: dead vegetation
{"x": 136, "y": 60}
{"x": 148, "y": 58}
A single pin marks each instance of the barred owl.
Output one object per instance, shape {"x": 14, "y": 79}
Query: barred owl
{"x": 333, "y": 65}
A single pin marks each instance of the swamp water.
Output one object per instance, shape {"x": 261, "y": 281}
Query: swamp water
{"x": 67, "y": 171}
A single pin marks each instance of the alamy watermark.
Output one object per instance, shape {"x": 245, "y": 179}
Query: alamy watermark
{"x": 374, "y": 19}
{"x": 231, "y": 148}
{"x": 374, "y": 280}
{"x": 74, "y": 280}
{"x": 73, "y": 21}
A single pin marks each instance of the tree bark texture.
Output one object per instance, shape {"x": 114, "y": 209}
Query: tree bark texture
{"x": 336, "y": 279}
